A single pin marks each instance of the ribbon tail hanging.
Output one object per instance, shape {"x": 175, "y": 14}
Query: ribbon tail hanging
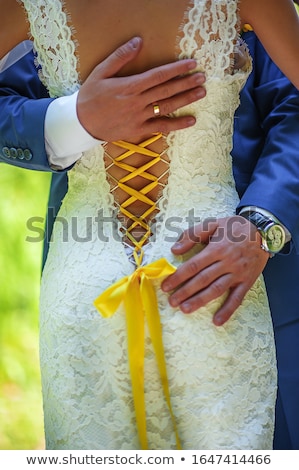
{"x": 135, "y": 330}
{"x": 151, "y": 310}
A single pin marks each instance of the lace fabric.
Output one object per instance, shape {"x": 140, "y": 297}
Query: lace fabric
{"x": 54, "y": 46}
{"x": 222, "y": 380}
{"x": 209, "y": 34}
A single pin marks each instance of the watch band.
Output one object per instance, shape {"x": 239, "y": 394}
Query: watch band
{"x": 258, "y": 219}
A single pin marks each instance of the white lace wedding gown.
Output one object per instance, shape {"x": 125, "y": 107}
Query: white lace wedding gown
{"x": 222, "y": 380}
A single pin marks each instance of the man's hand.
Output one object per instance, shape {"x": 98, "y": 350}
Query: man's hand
{"x": 121, "y": 108}
{"x": 231, "y": 261}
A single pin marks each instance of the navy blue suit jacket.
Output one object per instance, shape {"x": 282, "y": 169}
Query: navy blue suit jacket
{"x": 266, "y": 164}
{"x": 266, "y": 168}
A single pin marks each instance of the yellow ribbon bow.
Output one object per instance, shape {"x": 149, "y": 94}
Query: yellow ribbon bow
{"x": 139, "y": 297}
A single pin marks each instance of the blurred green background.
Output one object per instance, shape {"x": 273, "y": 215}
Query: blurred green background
{"x": 23, "y": 194}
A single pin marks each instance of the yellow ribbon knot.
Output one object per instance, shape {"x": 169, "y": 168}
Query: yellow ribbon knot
{"x": 140, "y": 301}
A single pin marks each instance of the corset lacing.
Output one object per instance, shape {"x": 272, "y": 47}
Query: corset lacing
{"x": 142, "y": 195}
{"x": 137, "y": 290}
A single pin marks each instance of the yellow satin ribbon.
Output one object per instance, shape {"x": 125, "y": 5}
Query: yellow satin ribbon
{"x": 150, "y": 183}
{"x": 140, "y": 301}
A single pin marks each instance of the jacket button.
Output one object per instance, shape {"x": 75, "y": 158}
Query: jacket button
{"x": 20, "y": 154}
{"x": 6, "y": 152}
{"x": 27, "y": 154}
{"x": 13, "y": 152}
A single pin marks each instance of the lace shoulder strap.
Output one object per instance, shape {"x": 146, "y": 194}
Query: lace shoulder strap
{"x": 54, "y": 45}
{"x": 209, "y": 34}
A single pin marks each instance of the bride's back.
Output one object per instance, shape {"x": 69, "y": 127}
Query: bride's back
{"x": 99, "y": 27}
{"x": 102, "y": 26}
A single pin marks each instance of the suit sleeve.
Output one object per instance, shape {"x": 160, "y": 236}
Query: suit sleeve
{"x": 23, "y": 105}
{"x": 267, "y": 136}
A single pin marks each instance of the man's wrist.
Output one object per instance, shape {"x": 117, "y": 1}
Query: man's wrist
{"x": 273, "y": 233}
{"x": 65, "y": 137}
{"x": 269, "y": 214}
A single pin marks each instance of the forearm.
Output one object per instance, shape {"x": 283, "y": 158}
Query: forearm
{"x": 35, "y": 129}
{"x": 265, "y": 154}
{"x": 22, "y": 132}
{"x": 23, "y": 105}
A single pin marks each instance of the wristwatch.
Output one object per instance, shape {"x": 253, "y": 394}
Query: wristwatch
{"x": 272, "y": 233}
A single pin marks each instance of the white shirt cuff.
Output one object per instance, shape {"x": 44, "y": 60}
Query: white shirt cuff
{"x": 65, "y": 137}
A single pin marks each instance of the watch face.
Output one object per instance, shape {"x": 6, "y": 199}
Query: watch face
{"x": 275, "y": 238}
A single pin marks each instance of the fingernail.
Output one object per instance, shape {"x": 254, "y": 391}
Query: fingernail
{"x": 178, "y": 245}
{"x": 192, "y": 65}
{"x": 217, "y": 320}
{"x": 186, "y": 307}
{"x": 200, "y": 79}
{"x": 135, "y": 42}
{"x": 165, "y": 287}
{"x": 190, "y": 122}
{"x": 200, "y": 93}
{"x": 173, "y": 302}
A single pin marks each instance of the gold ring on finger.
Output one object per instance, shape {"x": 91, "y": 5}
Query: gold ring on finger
{"x": 156, "y": 109}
